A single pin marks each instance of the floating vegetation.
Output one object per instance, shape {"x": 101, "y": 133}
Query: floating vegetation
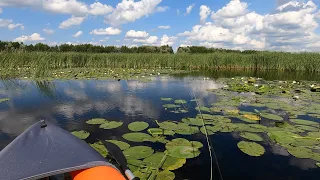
{"x": 170, "y": 106}
{"x": 165, "y": 175}
{"x": 305, "y": 122}
{"x": 182, "y": 148}
{"x": 138, "y": 152}
{"x": 158, "y": 131}
{"x": 111, "y": 125}
{"x": 252, "y": 117}
{"x": 166, "y": 99}
{"x": 81, "y": 134}
{"x": 137, "y": 137}
{"x": 251, "y": 136}
{"x": 4, "y": 99}
{"x": 100, "y": 148}
{"x": 272, "y": 116}
{"x": 138, "y": 126}
{"x": 251, "y": 148}
{"x": 96, "y": 121}
{"x": 120, "y": 144}
{"x": 203, "y": 109}
{"x": 318, "y": 164}
{"x": 180, "y": 101}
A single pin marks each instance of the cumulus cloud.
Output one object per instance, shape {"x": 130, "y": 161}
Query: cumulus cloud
{"x": 48, "y": 31}
{"x": 130, "y": 11}
{"x": 72, "y": 7}
{"x": 204, "y": 13}
{"x": 164, "y": 27}
{"x": 32, "y": 37}
{"x": 106, "y": 31}
{"x": 73, "y": 21}
{"x": 290, "y": 27}
{"x": 150, "y": 40}
{"x": 136, "y": 34}
{"x": 166, "y": 40}
{"x": 189, "y": 9}
{"x": 7, "y": 23}
{"x": 79, "y": 33}
{"x": 162, "y": 9}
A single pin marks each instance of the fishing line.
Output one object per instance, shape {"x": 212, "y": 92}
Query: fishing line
{"x": 209, "y": 143}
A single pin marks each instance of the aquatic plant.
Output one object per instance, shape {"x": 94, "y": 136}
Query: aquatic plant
{"x": 138, "y": 152}
{"x": 138, "y": 126}
{"x": 96, "y": 121}
{"x": 110, "y": 125}
{"x": 122, "y": 145}
{"x": 251, "y": 136}
{"x": 81, "y": 134}
{"x": 4, "y": 99}
{"x": 251, "y": 148}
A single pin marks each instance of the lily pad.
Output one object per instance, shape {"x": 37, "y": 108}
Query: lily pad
{"x": 96, "y": 121}
{"x": 167, "y": 125}
{"x": 318, "y": 164}
{"x": 158, "y": 131}
{"x": 210, "y": 129}
{"x": 314, "y": 134}
{"x": 182, "y": 148}
{"x": 180, "y": 101}
{"x": 251, "y": 148}
{"x": 251, "y": 136}
{"x": 172, "y": 163}
{"x": 120, "y": 144}
{"x": 196, "y": 144}
{"x": 166, "y": 99}
{"x": 111, "y": 125}
{"x": 282, "y": 137}
{"x": 135, "y": 164}
{"x": 81, "y": 134}
{"x": 193, "y": 121}
{"x": 307, "y": 128}
{"x": 138, "y": 126}
{"x": 305, "y": 122}
{"x": 100, "y": 148}
{"x": 138, "y": 152}
{"x": 165, "y": 175}
{"x": 154, "y": 160}
{"x": 137, "y": 137}
{"x": 203, "y": 109}
{"x": 4, "y": 99}
{"x": 272, "y": 116}
{"x": 252, "y": 117}
{"x": 300, "y": 152}
{"x": 169, "y": 106}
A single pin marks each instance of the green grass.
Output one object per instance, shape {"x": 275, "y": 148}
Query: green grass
{"x": 41, "y": 63}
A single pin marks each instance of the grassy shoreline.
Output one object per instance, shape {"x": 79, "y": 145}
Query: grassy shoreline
{"x": 41, "y": 64}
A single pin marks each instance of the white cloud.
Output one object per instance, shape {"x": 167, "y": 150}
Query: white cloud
{"x": 130, "y": 10}
{"x": 104, "y": 39}
{"x": 73, "y": 21}
{"x": 189, "y": 9}
{"x": 162, "y": 8}
{"x": 234, "y": 9}
{"x": 72, "y": 7}
{"x": 290, "y": 27}
{"x": 32, "y": 37}
{"x": 107, "y": 31}
{"x": 164, "y": 27}
{"x": 48, "y": 31}
{"x": 150, "y": 40}
{"x": 7, "y": 23}
{"x": 100, "y": 9}
{"x": 178, "y": 12}
{"x": 166, "y": 40}
{"x": 136, "y": 34}
{"x": 204, "y": 13}
{"x": 79, "y": 33}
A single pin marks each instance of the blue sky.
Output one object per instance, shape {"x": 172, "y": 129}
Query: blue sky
{"x": 236, "y": 24}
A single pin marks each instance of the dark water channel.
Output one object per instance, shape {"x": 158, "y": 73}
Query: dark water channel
{"x": 70, "y": 103}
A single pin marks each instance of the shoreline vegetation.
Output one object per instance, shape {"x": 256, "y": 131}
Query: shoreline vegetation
{"x": 40, "y": 60}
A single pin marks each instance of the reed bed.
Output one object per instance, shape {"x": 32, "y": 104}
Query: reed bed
{"x": 44, "y": 61}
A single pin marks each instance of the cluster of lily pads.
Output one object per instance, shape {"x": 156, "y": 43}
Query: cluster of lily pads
{"x": 143, "y": 160}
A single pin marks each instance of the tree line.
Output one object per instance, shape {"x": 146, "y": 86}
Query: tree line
{"x": 88, "y": 48}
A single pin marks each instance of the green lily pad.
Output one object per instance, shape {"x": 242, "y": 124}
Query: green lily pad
{"x": 154, "y": 160}
{"x": 178, "y": 142}
{"x": 135, "y": 164}
{"x": 210, "y": 129}
{"x": 158, "y": 131}
{"x": 120, "y": 144}
{"x": 96, "y": 121}
{"x": 251, "y": 136}
{"x": 207, "y": 116}
{"x": 196, "y": 144}
{"x": 180, "y": 101}
{"x": 4, "y": 99}
{"x": 193, "y": 121}
{"x": 185, "y": 129}
{"x": 138, "y": 152}
{"x": 138, "y": 126}
{"x": 272, "y": 116}
{"x": 282, "y": 137}
{"x": 300, "y": 152}
{"x": 169, "y": 106}
{"x": 166, "y": 99}
{"x": 318, "y": 164}
{"x": 167, "y": 125}
{"x": 182, "y": 148}
{"x": 305, "y": 122}
{"x": 137, "y": 137}
{"x": 81, "y": 134}
{"x": 305, "y": 142}
{"x": 111, "y": 125}
{"x": 145, "y": 173}
{"x": 314, "y": 134}
{"x": 100, "y": 148}
{"x": 165, "y": 175}
{"x": 307, "y": 128}
{"x": 251, "y": 148}
{"x": 172, "y": 163}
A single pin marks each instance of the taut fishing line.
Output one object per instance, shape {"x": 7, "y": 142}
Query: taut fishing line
{"x": 209, "y": 143}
